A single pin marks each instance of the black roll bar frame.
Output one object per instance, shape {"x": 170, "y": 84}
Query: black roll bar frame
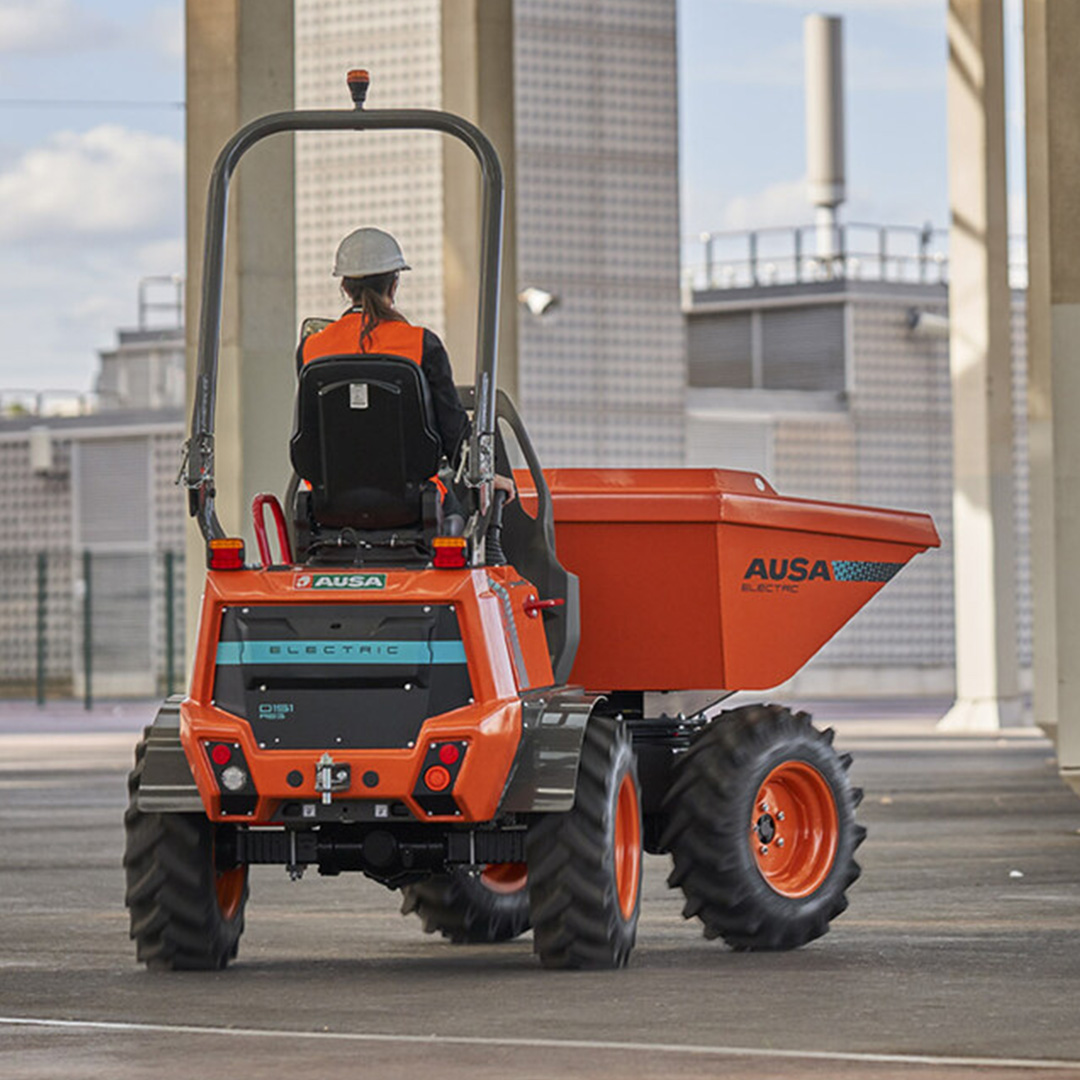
{"x": 198, "y": 468}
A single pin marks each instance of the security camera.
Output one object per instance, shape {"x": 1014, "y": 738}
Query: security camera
{"x": 927, "y": 324}
{"x": 537, "y": 300}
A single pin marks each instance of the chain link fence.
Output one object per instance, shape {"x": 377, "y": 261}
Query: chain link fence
{"x": 91, "y": 623}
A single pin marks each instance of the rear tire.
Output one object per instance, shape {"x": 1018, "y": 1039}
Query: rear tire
{"x": 585, "y": 864}
{"x": 470, "y": 907}
{"x": 185, "y": 913}
{"x": 761, "y": 827}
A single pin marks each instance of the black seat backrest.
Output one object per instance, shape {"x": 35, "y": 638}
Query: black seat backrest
{"x": 365, "y": 440}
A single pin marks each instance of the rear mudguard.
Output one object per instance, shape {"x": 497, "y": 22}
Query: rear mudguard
{"x": 167, "y": 785}
{"x": 544, "y": 776}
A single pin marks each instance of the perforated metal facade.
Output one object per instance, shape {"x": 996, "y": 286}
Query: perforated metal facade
{"x": 601, "y": 381}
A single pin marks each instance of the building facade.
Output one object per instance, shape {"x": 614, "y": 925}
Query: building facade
{"x": 91, "y": 554}
{"x": 596, "y": 162}
{"x": 92, "y": 538}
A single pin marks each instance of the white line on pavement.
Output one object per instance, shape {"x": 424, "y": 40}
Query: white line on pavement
{"x": 550, "y": 1044}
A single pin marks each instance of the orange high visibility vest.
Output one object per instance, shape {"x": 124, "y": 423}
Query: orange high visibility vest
{"x": 343, "y": 338}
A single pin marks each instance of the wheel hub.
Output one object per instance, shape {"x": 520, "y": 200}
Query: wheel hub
{"x": 794, "y": 835}
{"x": 766, "y": 828}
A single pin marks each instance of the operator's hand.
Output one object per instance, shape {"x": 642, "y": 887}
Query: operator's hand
{"x": 504, "y": 483}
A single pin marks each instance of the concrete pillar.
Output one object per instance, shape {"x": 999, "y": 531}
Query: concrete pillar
{"x": 1040, "y": 390}
{"x": 987, "y": 667}
{"x": 1053, "y": 80}
{"x": 239, "y": 66}
{"x": 478, "y": 83}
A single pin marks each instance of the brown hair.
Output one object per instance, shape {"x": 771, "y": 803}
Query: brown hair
{"x": 372, "y": 296}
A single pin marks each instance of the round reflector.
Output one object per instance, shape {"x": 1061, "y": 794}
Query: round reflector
{"x": 449, "y": 754}
{"x": 220, "y": 754}
{"x": 437, "y": 778}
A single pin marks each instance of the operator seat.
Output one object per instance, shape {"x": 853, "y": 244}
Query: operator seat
{"x": 365, "y": 440}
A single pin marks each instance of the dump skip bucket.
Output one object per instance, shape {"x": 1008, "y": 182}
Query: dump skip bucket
{"x": 708, "y": 579}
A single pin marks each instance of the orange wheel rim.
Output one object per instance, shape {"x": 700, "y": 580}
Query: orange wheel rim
{"x": 230, "y": 886}
{"x": 627, "y": 846}
{"x": 793, "y": 827}
{"x": 505, "y": 877}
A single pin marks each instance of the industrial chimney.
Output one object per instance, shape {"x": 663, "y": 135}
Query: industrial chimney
{"x": 823, "y": 35}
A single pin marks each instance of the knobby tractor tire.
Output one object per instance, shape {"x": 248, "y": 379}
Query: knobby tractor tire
{"x": 185, "y": 914}
{"x": 472, "y": 906}
{"x": 761, "y": 827}
{"x": 585, "y": 865}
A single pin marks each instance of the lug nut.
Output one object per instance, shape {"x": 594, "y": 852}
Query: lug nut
{"x": 779, "y": 841}
{"x": 764, "y": 849}
{"x": 763, "y": 806}
{"x": 780, "y": 816}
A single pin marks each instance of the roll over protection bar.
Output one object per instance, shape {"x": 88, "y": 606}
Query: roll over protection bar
{"x": 198, "y": 468}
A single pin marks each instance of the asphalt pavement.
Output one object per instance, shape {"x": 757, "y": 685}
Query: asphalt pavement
{"x": 959, "y": 956}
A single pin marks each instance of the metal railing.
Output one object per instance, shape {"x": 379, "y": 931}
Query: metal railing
{"x": 91, "y": 623}
{"x": 854, "y": 251}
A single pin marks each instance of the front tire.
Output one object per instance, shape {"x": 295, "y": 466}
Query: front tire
{"x": 185, "y": 913}
{"x": 761, "y": 828}
{"x": 585, "y": 864}
{"x": 472, "y": 906}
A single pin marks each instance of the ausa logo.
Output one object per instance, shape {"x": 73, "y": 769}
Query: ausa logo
{"x": 799, "y": 569}
{"x": 339, "y": 581}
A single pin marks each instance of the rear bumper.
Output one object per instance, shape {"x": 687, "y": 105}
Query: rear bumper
{"x": 381, "y": 781}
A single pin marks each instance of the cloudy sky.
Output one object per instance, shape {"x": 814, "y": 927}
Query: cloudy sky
{"x": 91, "y": 147}
{"x": 91, "y": 192}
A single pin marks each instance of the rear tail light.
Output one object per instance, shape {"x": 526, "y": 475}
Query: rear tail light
{"x": 232, "y": 776}
{"x": 449, "y": 552}
{"x": 434, "y": 786}
{"x": 225, "y": 553}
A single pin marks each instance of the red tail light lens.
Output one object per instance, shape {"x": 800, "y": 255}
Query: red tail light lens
{"x": 225, "y": 553}
{"x": 449, "y": 552}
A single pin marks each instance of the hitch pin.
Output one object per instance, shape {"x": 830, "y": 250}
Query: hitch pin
{"x": 324, "y": 778}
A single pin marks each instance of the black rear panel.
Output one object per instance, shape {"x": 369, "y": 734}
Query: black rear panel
{"x": 360, "y": 676}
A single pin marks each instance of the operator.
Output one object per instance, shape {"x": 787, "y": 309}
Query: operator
{"x": 369, "y": 263}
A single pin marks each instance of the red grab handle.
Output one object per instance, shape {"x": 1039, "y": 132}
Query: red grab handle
{"x": 258, "y": 507}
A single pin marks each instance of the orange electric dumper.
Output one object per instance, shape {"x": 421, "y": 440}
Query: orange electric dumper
{"x": 494, "y": 710}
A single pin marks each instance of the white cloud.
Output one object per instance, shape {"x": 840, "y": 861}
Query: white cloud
{"x": 1017, "y": 213}
{"x": 51, "y": 26}
{"x": 109, "y": 181}
{"x": 83, "y": 217}
{"x": 782, "y": 203}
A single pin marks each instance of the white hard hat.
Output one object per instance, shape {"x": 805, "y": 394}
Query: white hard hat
{"x": 368, "y": 251}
